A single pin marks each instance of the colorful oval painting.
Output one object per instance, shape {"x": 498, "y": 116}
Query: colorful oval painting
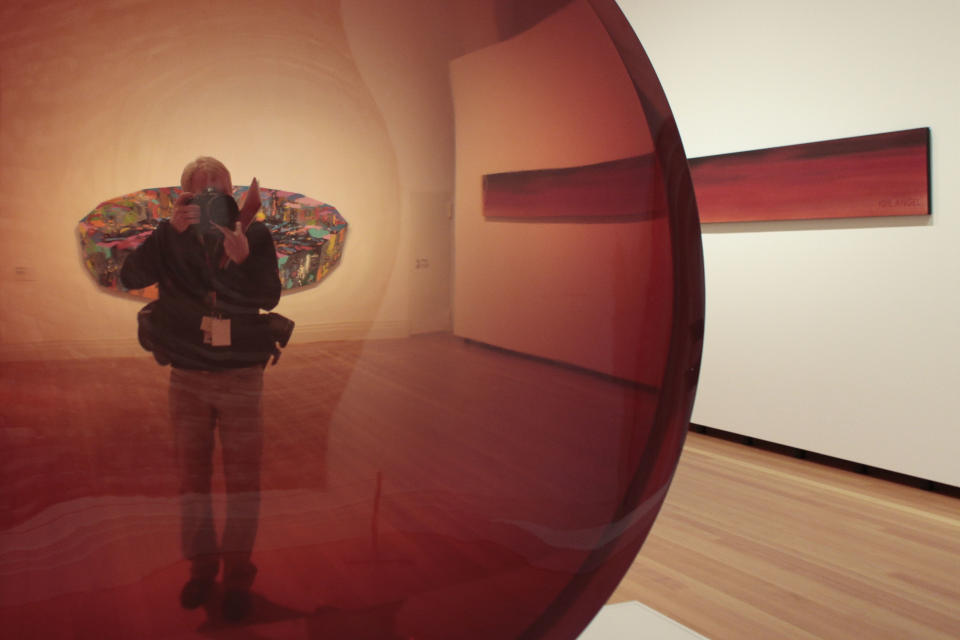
{"x": 308, "y": 234}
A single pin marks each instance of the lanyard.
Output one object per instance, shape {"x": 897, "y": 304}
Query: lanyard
{"x": 212, "y": 303}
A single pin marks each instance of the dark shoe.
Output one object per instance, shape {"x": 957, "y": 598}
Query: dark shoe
{"x": 195, "y": 593}
{"x": 236, "y": 605}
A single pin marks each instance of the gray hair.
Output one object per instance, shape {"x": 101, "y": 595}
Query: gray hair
{"x": 211, "y": 167}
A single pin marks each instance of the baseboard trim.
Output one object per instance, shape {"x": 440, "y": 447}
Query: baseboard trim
{"x": 130, "y": 347}
{"x": 329, "y": 331}
{"x": 70, "y": 350}
{"x": 601, "y": 375}
{"x": 830, "y": 461}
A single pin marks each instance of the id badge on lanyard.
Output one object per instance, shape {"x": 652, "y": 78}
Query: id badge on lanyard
{"x": 216, "y": 330}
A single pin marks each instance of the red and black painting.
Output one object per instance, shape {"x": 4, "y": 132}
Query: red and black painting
{"x": 886, "y": 174}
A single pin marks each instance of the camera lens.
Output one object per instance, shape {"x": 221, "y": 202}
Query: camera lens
{"x": 216, "y": 208}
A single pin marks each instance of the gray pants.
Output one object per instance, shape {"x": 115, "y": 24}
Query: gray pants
{"x": 200, "y": 402}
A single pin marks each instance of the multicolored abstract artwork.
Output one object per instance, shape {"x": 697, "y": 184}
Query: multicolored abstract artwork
{"x": 617, "y": 188}
{"x": 886, "y": 174}
{"x": 308, "y": 234}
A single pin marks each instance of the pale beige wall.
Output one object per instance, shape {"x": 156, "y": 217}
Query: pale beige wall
{"x": 554, "y": 96}
{"x": 402, "y": 51}
{"x": 101, "y": 98}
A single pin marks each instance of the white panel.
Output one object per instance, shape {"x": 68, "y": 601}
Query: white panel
{"x": 634, "y": 621}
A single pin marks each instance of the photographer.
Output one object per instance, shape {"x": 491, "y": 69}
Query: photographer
{"x": 214, "y": 276}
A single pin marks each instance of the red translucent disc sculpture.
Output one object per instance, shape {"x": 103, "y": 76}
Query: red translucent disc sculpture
{"x": 491, "y": 480}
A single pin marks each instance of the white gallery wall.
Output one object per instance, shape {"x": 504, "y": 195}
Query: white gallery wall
{"x": 839, "y": 337}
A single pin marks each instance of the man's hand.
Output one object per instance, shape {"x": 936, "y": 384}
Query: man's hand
{"x": 235, "y": 243}
{"x": 184, "y": 213}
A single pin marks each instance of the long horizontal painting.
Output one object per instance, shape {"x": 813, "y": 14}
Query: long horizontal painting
{"x": 629, "y": 187}
{"x": 885, "y": 174}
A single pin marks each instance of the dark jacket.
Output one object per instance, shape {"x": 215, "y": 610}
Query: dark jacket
{"x": 193, "y": 284}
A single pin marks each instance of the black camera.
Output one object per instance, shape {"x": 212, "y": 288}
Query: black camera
{"x": 216, "y": 208}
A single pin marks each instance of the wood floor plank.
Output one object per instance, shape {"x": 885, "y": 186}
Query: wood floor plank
{"x": 756, "y": 544}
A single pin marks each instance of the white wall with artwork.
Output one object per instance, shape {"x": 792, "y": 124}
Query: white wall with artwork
{"x": 574, "y": 290}
{"x": 838, "y": 337}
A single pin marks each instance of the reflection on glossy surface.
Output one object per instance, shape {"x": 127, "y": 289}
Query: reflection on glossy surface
{"x": 308, "y": 235}
{"x": 493, "y": 478}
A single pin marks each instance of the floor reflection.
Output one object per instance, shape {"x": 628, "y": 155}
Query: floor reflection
{"x": 424, "y": 488}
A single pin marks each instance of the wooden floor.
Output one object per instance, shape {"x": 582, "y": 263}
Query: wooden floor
{"x": 754, "y": 544}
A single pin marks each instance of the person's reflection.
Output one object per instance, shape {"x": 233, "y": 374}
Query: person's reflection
{"x": 214, "y": 276}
